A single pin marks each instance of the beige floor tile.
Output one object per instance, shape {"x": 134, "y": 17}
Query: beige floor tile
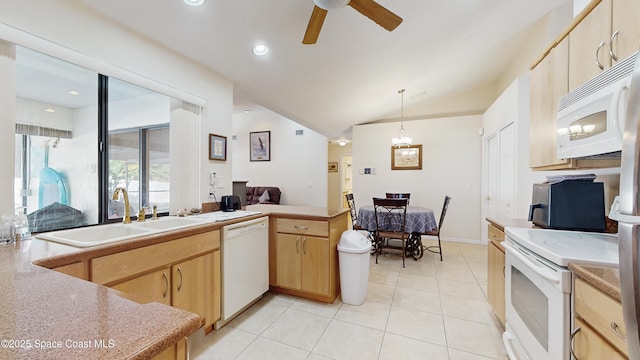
{"x": 455, "y": 274}
{"x": 318, "y": 308}
{"x": 415, "y": 282}
{"x": 379, "y": 276}
{"x": 370, "y": 314}
{"x": 460, "y": 289}
{"x": 279, "y": 299}
{"x": 313, "y": 356}
{"x": 224, "y": 344}
{"x": 463, "y": 355}
{"x": 265, "y": 349}
{"x": 468, "y": 309}
{"x": 396, "y": 347}
{"x": 348, "y": 341}
{"x": 416, "y": 324}
{"x": 297, "y": 328}
{"x": 257, "y": 318}
{"x": 380, "y": 293}
{"x": 476, "y": 338}
{"x": 417, "y": 300}
{"x": 422, "y": 267}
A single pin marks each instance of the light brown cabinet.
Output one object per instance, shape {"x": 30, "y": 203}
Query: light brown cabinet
{"x": 184, "y": 273}
{"x": 609, "y": 33}
{"x": 548, "y": 83}
{"x": 599, "y": 330}
{"x": 303, "y": 257}
{"x": 495, "y": 272}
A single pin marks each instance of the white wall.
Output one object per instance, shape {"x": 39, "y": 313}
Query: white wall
{"x": 108, "y": 43}
{"x": 451, "y": 165}
{"x": 298, "y": 163}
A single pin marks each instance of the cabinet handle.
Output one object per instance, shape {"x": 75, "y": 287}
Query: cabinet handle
{"x": 180, "y": 284}
{"x": 298, "y": 245}
{"x": 573, "y": 334}
{"x": 598, "y": 56}
{"x": 166, "y": 284}
{"x": 304, "y": 246}
{"x": 614, "y": 328}
{"x": 303, "y": 228}
{"x": 611, "y": 40}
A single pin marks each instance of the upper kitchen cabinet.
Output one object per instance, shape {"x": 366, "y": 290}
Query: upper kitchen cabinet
{"x": 548, "y": 84}
{"x": 609, "y": 33}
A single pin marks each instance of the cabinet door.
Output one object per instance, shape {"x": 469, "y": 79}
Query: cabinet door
{"x": 190, "y": 289}
{"x": 625, "y": 21}
{"x": 584, "y": 40}
{"x": 152, "y": 287}
{"x": 495, "y": 281}
{"x": 588, "y": 345}
{"x": 548, "y": 84}
{"x": 315, "y": 265}
{"x": 288, "y": 260}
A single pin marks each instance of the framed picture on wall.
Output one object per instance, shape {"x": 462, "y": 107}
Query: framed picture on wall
{"x": 217, "y": 147}
{"x": 406, "y": 157}
{"x": 260, "y": 146}
{"x": 333, "y": 166}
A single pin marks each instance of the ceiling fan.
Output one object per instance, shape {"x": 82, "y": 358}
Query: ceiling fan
{"x": 368, "y": 8}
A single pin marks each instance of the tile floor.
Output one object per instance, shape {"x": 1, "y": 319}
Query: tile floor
{"x": 428, "y": 310}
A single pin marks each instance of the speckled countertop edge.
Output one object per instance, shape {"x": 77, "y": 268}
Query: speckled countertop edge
{"x": 604, "y": 278}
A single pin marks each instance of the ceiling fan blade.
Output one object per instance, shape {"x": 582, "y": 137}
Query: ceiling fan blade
{"x": 315, "y": 24}
{"x": 377, "y": 13}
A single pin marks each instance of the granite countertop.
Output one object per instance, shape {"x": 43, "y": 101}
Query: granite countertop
{"x": 502, "y": 222}
{"x": 50, "y": 315}
{"x": 295, "y": 211}
{"x": 604, "y": 278}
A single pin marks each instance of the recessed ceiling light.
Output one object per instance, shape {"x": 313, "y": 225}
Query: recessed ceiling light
{"x": 261, "y": 50}
{"x": 247, "y": 111}
{"x": 194, "y": 2}
{"x": 73, "y": 92}
{"x": 50, "y": 110}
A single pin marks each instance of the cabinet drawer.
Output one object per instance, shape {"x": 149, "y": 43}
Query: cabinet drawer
{"x": 496, "y": 236}
{"x": 306, "y": 227}
{"x": 588, "y": 345}
{"x": 601, "y": 312}
{"x": 108, "y": 269}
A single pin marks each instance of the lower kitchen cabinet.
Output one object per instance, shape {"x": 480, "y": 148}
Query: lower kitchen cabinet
{"x": 303, "y": 259}
{"x": 599, "y": 330}
{"x": 495, "y": 272}
{"x": 184, "y": 273}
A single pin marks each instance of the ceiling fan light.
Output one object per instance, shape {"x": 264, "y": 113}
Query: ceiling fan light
{"x": 261, "y": 50}
{"x": 331, "y": 4}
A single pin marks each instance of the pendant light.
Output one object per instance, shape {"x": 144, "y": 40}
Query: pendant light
{"x": 402, "y": 139}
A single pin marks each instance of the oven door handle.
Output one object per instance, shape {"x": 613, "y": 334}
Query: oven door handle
{"x": 507, "y": 340}
{"x": 531, "y": 262}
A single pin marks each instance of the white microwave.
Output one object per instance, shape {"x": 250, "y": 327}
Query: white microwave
{"x": 591, "y": 117}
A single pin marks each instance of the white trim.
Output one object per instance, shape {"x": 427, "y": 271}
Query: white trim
{"x": 36, "y": 43}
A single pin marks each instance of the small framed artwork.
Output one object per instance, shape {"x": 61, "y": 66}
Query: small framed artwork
{"x": 217, "y": 147}
{"x": 406, "y": 157}
{"x": 333, "y": 166}
{"x": 260, "y": 146}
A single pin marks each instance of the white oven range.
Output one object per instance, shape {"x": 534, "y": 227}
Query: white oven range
{"x": 538, "y": 287}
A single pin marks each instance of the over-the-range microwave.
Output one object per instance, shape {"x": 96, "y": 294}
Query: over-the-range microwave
{"x": 591, "y": 117}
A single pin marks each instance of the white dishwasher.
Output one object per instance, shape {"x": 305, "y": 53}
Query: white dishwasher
{"x": 245, "y": 266}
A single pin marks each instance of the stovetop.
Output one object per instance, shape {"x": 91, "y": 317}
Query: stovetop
{"x": 562, "y": 246}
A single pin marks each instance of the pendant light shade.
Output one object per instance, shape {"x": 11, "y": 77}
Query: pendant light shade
{"x": 402, "y": 139}
{"x": 331, "y": 4}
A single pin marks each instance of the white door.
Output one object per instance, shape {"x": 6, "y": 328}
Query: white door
{"x": 346, "y": 178}
{"x": 493, "y": 172}
{"x": 507, "y": 171}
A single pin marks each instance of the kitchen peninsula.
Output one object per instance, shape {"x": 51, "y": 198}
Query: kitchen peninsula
{"x": 49, "y": 314}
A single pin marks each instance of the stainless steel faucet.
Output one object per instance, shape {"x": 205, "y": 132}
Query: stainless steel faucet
{"x": 126, "y": 219}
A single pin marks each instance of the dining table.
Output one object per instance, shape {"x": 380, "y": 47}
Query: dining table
{"x": 419, "y": 219}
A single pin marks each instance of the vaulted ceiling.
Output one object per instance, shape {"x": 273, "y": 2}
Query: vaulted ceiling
{"x": 353, "y": 73}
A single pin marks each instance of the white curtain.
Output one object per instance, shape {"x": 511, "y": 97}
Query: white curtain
{"x": 185, "y": 155}
{"x": 7, "y": 124}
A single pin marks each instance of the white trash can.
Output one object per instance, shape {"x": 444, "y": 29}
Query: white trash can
{"x": 353, "y": 256}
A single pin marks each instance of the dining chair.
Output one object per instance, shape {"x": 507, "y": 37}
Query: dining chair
{"x": 354, "y": 221}
{"x": 436, "y": 231}
{"x": 398, "y": 196}
{"x": 391, "y": 223}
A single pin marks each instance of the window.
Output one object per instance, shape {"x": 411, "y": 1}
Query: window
{"x": 62, "y": 178}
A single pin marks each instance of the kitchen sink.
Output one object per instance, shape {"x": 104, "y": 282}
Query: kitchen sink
{"x": 95, "y": 235}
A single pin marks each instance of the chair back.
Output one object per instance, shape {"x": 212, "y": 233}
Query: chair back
{"x": 391, "y": 218}
{"x": 352, "y": 209}
{"x": 398, "y": 196}
{"x": 445, "y": 206}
